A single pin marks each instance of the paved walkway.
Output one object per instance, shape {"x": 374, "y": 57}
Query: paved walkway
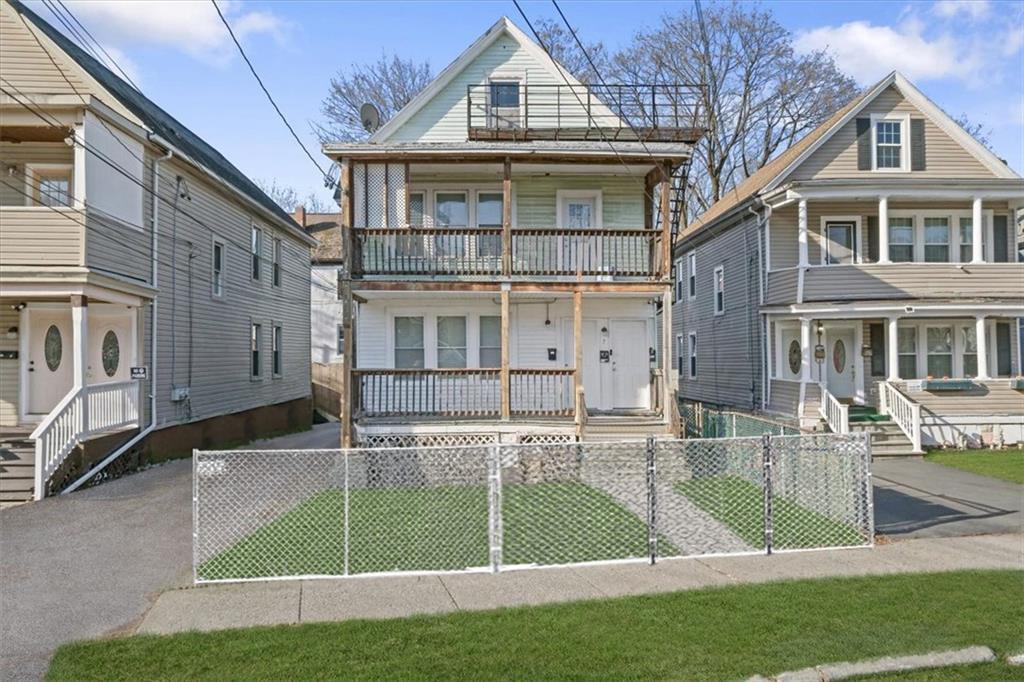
{"x": 916, "y": 498}
{"x": 215, "y": 607}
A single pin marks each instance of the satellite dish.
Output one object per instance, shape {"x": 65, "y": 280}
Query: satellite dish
{"x": 370, "y": 116}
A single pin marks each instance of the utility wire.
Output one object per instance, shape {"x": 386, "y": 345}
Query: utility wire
{"x": 328, "y": 181}
{"x": 98, "y": 44}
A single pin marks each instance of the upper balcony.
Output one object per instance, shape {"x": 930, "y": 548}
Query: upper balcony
{"x": 514, "y": 111}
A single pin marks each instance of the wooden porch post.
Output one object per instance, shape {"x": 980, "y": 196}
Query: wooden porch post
{"x": 506, "y": 379}
{"x": 506, "y": 219}
{"x": 666, "y": 214}
{"x": 347, "y": 219}
{"x": 577, "y": 337}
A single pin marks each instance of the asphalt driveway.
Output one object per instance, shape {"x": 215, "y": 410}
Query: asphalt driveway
{"x": 91, "y": 563}
{"x": 917, "y": 498}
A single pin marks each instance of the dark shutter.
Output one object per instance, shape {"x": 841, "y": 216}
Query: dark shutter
{"x": 1002, "y": 349}
{"x": 1001, "y": 239}
{"x": 917, "y": 144}
{"x": 863, "y": 144}
{"x": 877, "y": 336}
{"x": 872, "y": 240}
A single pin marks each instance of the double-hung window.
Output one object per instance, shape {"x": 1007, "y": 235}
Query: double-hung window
{"x": 679, "y": 279}
{"x": 409, "y": 343}
{"x": 217, "y": 281}
{"x": 256, "y": 248}
{"x": 276, "y": 274}
{"x": 691, "y": 274}
{"x": 889, "y": 141}
{"x": 906, "y": 347}
{"x": 489, "y": 213}
{"x": 936, "y": 240}
{"x": 969, "y": 350}
{"x": 901, "y": 239}
{"x": 277, "y": 351}
{"x": 720, "y": 290}
{"x": 692, "y": 348}
{"x": 939, "y": 349}
{"x": 341, "y": 340}
{"x": 255, "y": 348}
{"x": 966, "y": 234}
{"x": 450, "y": 210}
{"x": 451, "y": 341}
{"x": 490, "y": 341}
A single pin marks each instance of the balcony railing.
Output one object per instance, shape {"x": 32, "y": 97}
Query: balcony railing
{"x": 479, "y": 251}
{"x": 598, "y": 111}
{"x": 472, "y": 393}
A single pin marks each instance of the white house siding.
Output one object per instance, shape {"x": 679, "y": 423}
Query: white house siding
{"x": 944, "y": 157}
{"x": 326, "y": 314}
{"x": 27, "y": 66}
{"x": 10, "y": 379}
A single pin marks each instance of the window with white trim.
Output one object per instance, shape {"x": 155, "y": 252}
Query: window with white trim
{"x": 409, "y": 343}
{"x": 451, "y": 341}
{"x": 966, "y": 236}
{"x": 720, "y": 290}
{"x": 939, "y": 349}
{"x": 490, "y": 341}
{"x": 51, "y": 186}
{"x": 217, "y": 265}
{"x": 341, "y": 340}
{"x": 936, "y": 240}
{"x": 277, "y": 351}
{"x": 256, "y": 249}
{"x": 691, "y": 274}
{"x": 255, "y": 351}
{"x": 969, "y": 350}
{"x": 679, "y": 279}
{"x": 276, "y": 268}
{"x": 692, "y": 353}
{"x": 490, "y": 211}
{"x": 680, "y": 354}
{"x": 906, "y": 351}
{"x": 901, "y": 239}
{"x": 889, "y": 137}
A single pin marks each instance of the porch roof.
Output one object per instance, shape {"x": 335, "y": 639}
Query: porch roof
{"x": 649, "y": 153}
{"x": 1011, "y": 189}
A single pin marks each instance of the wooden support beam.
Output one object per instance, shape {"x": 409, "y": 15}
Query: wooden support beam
{"x": 506, "y": 219}
{"x": 666, "y": 214}
{"x": 577, "y": 337}
{"x": 346, "y": 220}
{"x": 506, "y": 377}
{"x": 640, "y": 287}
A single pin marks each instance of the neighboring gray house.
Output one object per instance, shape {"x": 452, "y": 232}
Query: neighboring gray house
{"x": 129, "y": 246}
{"x": 868, "y": 271}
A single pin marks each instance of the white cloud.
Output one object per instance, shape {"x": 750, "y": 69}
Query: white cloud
{"x": 115, "y": 58}
{"x": 191, "y": 26}
{"x": 971, "y": 9}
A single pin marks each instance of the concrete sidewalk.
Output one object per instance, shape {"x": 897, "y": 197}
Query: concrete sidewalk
{"x": 215, "y": 607}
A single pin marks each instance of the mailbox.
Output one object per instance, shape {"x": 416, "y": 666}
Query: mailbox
{"x": 552, "y": 354}
{"x": 606, "y": 356}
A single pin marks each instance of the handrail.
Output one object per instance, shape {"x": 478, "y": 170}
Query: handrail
{"x": 835, "y": 413}
{"x": 904, "y": 411}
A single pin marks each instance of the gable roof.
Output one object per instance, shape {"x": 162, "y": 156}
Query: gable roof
{"x": 775, "y": 172}
{"x": 156, "y": 119}
{"x": 503, "y": 26}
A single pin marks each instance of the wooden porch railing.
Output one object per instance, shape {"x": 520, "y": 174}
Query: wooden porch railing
{"x": 473, "y": 393}
{"x": 535, "y": 252}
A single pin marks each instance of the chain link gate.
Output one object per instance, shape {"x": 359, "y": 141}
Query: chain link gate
{"x": 329, "y": 513}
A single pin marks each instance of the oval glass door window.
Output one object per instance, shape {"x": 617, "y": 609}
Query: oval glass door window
{"x": 53, "y": 348}
{"x": 839, "y": 356}
{"x": 111, "y": 353}
{"x": 795, "y": 357}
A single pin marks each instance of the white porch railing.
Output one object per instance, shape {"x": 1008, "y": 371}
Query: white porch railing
{"x": 83, "y": 412}
{"x": 835, "y": 413}
{"x": 904, "y": 411}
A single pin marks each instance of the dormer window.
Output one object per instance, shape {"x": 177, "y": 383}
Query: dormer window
{"x": 890, "y": 143}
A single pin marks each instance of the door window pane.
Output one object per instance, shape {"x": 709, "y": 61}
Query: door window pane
{"x": 409, "y": 342}
{"x": 490, "y": 341}
{"x": 110, "y": 353}
{"x": 901, "y": 240}
{"x": 936, "y": 240}
{"x": 53, "y": 348}
{"x": 940, "y": 351}
{"x": 906, "y": 346}
{"x": 580, "y": 214}
{"x": 451, "y": 341}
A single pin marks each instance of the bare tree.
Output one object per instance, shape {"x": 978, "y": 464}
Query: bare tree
{"x": 287, "y": 198}
{"x": 760, "y": 95}
{"x": 979, "y": 131}
{"x": 562, "y": 46}
{"x": 388, "y": 83}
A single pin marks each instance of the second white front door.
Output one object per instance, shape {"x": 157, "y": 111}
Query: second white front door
{"x": 50, "y": 359}
{"x": 840, "y": 361}
{"x": 616, "y": 366}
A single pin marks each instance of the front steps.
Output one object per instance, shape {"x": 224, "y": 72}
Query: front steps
{"x": 887, "y": 439}
{"x": 606, "y": 428}
{"x": 17, "y": 468}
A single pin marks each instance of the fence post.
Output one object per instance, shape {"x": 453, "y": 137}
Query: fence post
{"x": 766, "y": 458}
{"x": 494, "y": 529}
{"x": 195, "y": 509}
{"x": 652, "y": 503}
{"x": 345, "y": 454}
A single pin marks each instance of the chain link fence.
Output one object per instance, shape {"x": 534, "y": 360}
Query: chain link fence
{"x": 704, "y": 421}
{"x": 316, "y": 513}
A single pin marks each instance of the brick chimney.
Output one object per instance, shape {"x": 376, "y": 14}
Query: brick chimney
{"x": 300, "y": 216}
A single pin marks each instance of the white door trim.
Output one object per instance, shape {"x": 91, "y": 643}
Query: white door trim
{"x": 563, "y": 195}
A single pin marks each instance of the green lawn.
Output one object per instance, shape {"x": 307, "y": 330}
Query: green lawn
{"x": 715, "y": 634}
{"x": 1005, "y": 464}
{"x": 739, "y": 504}
{"x": 442, "y": 528}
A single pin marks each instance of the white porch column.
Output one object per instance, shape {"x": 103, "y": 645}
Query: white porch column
{"x": 981, "y": 336}
{"x": 80, "y": 354}
{"x": 883, "y": 229}
{"x": 802, "y": 234}
{"x": 805, "y": 347}
{"x": 892, "y": 356}
{"x": 977, "y": 255}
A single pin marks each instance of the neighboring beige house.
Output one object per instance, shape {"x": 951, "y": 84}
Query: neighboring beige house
{"x": 871, "y": 268}
{"x": 131, "y": 248}
{"x": 510, "y": 247}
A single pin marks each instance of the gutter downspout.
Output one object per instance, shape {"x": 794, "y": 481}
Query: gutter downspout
{"x": 762, "y": 219}
{"x": 154, "y": 307}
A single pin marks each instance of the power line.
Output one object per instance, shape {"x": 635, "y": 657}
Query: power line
{"x": 328, "y": 182}
{"x": 99, "y": 45}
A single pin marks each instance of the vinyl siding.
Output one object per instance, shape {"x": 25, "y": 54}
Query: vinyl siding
{"x": 785, "y": 397}
{"x": 622, "y": 200}
{"x": 10, "y": 376}
{"x": 728, "y": 346}
{"x": 990, "y": 398}
{"x": 914, "y": 281}
{"x": 944, "y": 157}
{"x": 782, "y": 286}
{"x": 27, "y": 66}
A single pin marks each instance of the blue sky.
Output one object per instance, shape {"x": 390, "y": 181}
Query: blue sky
{"x": 967, "y": 56}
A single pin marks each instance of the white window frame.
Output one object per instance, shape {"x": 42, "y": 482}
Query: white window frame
{"x": 255, "y": 338}
{"x": 562, "y": 197}
{"x": 34, "y": 198}
{"x": 953, "y": 216}
{"x": 957, "y": 324}
{"x": 480, "y": 339}
{"x": 218, "y": 277}
{"x": 691, "y": 275}
{"x": 277, "y": 350}
{"x": 393, "y": 340}
{"x": 904, "y": 121}
{"x": 276, "y": 268}
{"x": 825, "y": 220}
{"x": 256, "y": 253}
{"x": 680, "y": 279}
{"x": 508, "y": 77}
{"x": 718, "y": 290}
{"x": 691, "y": 355}
{"x": 681, "y": 355}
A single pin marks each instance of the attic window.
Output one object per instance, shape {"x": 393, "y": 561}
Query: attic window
{"x": 890, "y": 143}
{"x": 505, "y": 94}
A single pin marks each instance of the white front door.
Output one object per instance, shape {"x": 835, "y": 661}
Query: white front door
{"x": 50, "y": 359}
{"x": 840, "y": 356}
{"x": 110, "y": 348}
{"x": 630, "y": 364}
{"x": 596, "y": 388}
